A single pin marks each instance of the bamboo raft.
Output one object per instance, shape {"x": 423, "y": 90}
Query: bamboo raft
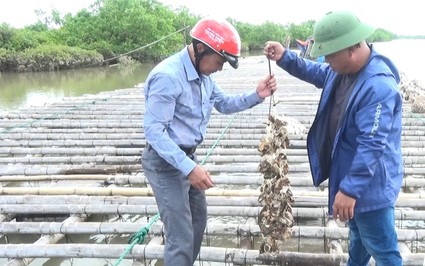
{"x": 72, "y": 186}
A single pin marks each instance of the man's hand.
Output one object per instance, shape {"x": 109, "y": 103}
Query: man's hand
{"x": 200, "y": 179}
{"x": 266, "y": 86}
{"x": 274, "y": 50}
{"x": 343, "y": 207}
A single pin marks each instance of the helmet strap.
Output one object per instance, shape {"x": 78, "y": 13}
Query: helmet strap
{"x": 198, "y": 55}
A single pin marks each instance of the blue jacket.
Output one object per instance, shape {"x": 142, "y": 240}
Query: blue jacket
{"x": 365, "y": 161}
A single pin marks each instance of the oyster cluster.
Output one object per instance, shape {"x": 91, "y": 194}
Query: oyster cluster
{"x": 413, "y": 91}
{"x": 275, "y": 219}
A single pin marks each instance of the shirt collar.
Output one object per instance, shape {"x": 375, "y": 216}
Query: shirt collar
{"x": 191, "y": 72}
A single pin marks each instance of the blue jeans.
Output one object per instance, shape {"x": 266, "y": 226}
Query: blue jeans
{"x": 373, "y": 234}
{"x": 183, "y": 209}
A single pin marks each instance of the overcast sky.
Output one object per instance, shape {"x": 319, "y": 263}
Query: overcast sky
{"x": 404, "y": 17}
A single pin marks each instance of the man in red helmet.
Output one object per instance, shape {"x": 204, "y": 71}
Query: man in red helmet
{"x": 179, "y": 98}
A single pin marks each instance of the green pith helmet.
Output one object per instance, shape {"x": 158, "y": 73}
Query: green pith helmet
{"x": 337, "y": 31}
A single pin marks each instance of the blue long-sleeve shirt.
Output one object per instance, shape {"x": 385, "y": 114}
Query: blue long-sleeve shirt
{"x": 178, "y": 107}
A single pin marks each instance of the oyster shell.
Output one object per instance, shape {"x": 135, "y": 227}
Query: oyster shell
{"x": 275, "y": 218}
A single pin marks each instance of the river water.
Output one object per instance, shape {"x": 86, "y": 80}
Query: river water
{"x": 29, "y": 89}
{"x": 19, "y": 90}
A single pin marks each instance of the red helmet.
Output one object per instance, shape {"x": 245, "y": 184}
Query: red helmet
{"x": 221, "y": 36}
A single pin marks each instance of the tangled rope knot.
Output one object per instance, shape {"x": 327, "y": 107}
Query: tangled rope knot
{"x": 139, "y": 237}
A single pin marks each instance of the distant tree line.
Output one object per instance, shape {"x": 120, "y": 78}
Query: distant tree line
{"x": 109, "y": 29}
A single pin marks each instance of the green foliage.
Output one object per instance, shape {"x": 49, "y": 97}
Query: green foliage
{"x": 381, "y": 35}
{"x": 411, "y": 37}
{"x": 6, "y": 35}
{"x": 55, "y": 57}
{"x": 119, "y": 26}
{"x": 300, "y": 32}
{"x": 80, "y": 30}
{"x": 37, "y": 27}
{"x": 4, "y": 59}
{"x": 254, "y": 37}
{"x": 184, "y": 19}
{"x": 102, "y": 47}
{"x": 134, "y": 23}
{"x": 26, "y": 39}
{"x": 143, "y": 30}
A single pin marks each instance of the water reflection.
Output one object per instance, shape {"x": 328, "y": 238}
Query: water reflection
{"x": 35, "y": 89}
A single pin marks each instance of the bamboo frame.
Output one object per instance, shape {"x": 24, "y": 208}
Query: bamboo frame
{"x": 305, "y": 201}
{"x": 213, "y": 254}
{"x": 45, "y": 240}
{"x": 297, "y": 180}
{"x": 88, "y": 140}
{"x": 329, "y": 232}
{"x": 148, "y": 210}
{"x": 131, "y": 191}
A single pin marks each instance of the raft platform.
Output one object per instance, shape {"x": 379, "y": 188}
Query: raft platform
{"x": 72, "y": 186}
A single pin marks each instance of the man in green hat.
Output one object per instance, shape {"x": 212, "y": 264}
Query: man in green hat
{"x": 355, "y": 139}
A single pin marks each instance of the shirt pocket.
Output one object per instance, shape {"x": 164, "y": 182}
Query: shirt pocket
{"x": 207, "y": 108}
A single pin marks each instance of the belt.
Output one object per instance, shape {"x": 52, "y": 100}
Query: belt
{"x": 187, "y": 150}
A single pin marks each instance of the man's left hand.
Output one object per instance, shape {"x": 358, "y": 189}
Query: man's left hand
{"x": 343, "y": 207}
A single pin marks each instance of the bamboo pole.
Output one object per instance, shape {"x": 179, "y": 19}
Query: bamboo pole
{"x": 97, "y": 159}
{"x": 67, "y": 169}
{"x": 302, "y": 201}
{"x": 147, "y": 210}
{"x": 244, "y": 232}
{"x": 131, "y": 191}
{"x": 246, "y": 237}
{"x": 43, "y": 240}
{"x": 157, "y": 240}
{"x": 6, "y": 218}
{"x": 28, "y": 169}
{"x": 85, "y": 177}
{"x": 305, "y": 201}
{"x": 291, "y": 108}
{"x": 131, "y": 138}
{"x": 134, "y": 149}
{"x": 68, "y": 123}
{"x": 130, "y": 155}
{"x": 57, "y": 133}
{"x": 131, "y": 164}
{"x": 136, "y": 168}
{"x": 409, "y": 182}
{"x": 333, "y": 245}
{"x": 113, "y": 133}
{"x": 64, "y": 151}
{"x": 213, "y": 254}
